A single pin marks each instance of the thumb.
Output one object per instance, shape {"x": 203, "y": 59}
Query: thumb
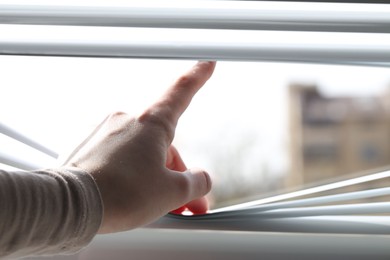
{"x": 200, "y": 183}
{"x": 192, "y": 184}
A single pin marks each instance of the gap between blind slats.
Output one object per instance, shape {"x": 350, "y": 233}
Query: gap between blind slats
{"x": 336, "y": 17}
{"x": 343, "y": 197}
{"x": 309, "y": 191}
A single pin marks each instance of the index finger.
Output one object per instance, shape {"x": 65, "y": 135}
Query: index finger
{"x": 178, "y": 97}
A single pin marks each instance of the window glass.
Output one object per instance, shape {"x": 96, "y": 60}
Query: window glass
{"x": 258, "y": 128}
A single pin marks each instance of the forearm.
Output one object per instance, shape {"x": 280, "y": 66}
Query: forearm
{"x": 47, "y": 212}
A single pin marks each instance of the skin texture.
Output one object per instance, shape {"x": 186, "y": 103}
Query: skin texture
{"x": 140, "y": 175}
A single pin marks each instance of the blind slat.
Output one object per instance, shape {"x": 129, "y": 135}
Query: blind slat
{"x": 8, "y": 131}
{"x": 315, "y": 224}
{"x": 310, "y": 47}
{"x": 343, "y": 197}
{"x": 333, "y": 210}
{"x": 309, "y": 191}
{"x": 16, "y": 162}
{"x": 336, "y": 17}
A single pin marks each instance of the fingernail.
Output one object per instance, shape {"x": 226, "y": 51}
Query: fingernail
{"x": 205, "y": 62}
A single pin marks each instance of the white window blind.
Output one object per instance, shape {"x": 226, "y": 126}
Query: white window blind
{"x": 216, "y": 30}
{"x": 250, "y": 15}
{"x": 19, "y": 162}
{"x": 319, "y": 33}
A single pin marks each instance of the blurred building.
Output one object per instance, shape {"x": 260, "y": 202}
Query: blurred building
{"x": 332, "y": 137}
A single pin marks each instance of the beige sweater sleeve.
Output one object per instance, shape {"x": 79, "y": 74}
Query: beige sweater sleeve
{"x": 47, "y": 212}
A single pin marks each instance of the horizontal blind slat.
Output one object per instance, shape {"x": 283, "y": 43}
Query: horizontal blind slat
{"x": 17, "y": 162}
{"x": 305, "y": 47}
{"x": 8, "y": 131}
{"x": 336, "y": 17}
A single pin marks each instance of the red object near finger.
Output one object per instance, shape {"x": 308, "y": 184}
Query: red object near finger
{"x": 178, "y": 211}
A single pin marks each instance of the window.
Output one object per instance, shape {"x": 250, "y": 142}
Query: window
{"x": 253, "y": 139}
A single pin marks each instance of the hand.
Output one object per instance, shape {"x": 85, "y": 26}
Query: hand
{"x": 140, "y": 176}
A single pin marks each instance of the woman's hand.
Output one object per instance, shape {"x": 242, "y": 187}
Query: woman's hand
{"x": 140, "y": 176}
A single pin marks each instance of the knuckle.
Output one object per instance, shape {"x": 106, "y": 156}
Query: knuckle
{"x": 157, "y": 120}
{"x": 150, "y": 116}
{"x": 183, "y": 80}
{"x": 118, "y": 122}
{"x": 204, "y": 183}
{"x": 116, "y": 114}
